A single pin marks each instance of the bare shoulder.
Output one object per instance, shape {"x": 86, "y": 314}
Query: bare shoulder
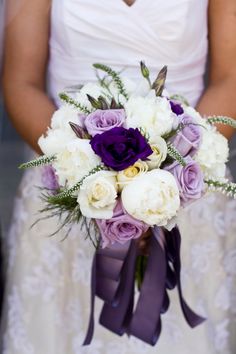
{"x": 222, "y": 34}
{"x": 26, "y": 39}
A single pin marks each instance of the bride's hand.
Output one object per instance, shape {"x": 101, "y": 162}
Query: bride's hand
{"x": 143, "y": 243}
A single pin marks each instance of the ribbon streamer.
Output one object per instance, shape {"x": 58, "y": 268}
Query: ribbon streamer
{"x": 113, "y": 280}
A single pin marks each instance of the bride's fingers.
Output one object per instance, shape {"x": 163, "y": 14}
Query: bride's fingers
{"x": 143, "y": 243}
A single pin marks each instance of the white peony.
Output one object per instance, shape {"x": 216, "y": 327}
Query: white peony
{"x": 75, "y": 161}
{"x": 153, "y": 197}
{"x": 62, "y": 117}
{"x": 153, "y": 114}
{"x": 95, "y": 90}
{"x": 55, "y": 140}
{"x": 159, "y": 153}
{"x": 97, "y": 195}
{"x": 134, "y": 171}
{"x": 132, "y": 88}
{"x": 213, "y": 153}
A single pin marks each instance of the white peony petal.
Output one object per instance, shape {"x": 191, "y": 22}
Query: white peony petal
{"x": 152, "y": 197}
{"x": 55, "y": 141}
{"x": 153, "y": 114}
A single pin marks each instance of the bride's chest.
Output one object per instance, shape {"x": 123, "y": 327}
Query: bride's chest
{"x": 168, "y": 21}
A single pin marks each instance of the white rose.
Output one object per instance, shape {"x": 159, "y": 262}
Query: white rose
{"x": 62, "y": 117}
{"x": 213, "y": 153}
{"x": 55, "y": 141}
{"x": 75, "y": 161}
{"x": 159, "y": 153}
{"x": 152, "y": 197}
{"x": 134, "y": 171}
{"x": 97, "y": 195}
{"x": 153, "y": 114}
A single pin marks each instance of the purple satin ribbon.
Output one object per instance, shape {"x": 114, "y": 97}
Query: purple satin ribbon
{"x": 113, "y": 278}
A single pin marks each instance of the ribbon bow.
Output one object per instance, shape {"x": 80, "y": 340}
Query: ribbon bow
{"x": 113, "y": 280}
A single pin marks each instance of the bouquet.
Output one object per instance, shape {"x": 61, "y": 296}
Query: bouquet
{"x": 123, "y": 158}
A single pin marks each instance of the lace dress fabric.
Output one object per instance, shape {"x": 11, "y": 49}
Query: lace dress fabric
{"x": 47, "y": 297}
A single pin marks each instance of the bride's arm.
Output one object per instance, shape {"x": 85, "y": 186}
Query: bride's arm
{"x": 220, "y": 95}
{"x": 25, "y": 63}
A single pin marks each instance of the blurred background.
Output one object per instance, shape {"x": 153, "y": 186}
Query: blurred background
{"x": 13, "y": 151}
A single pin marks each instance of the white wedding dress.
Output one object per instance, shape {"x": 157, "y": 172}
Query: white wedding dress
{"x": 47, "y": 298}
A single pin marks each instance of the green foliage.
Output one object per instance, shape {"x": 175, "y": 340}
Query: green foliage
{"x": 141, "y": 265}
{"x": 174, "y": 154}
{"x": 222, "y": 120}
{"x": 227, "y": 188}
{"x": 68, "y": 212}
{"x": 145, "y": 72}
{"x": 69, "y": 192}
{"x": 40, "y": 161}
{"x": 115, "y": 76}
{"x": 70, "y": 101}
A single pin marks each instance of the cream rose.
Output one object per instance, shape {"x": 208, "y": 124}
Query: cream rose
{"x": 134, "y": 171}
{"x": 97, "y": 195}
{"x": 159, "y": 153}
{"x": 152, "y": 197}
{"x": 75, "y": 161}
{"x": 153, "y": 114}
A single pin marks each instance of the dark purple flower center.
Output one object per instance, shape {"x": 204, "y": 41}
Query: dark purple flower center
{"x": 120, "y": 148}
{"x": 176, "y": 108}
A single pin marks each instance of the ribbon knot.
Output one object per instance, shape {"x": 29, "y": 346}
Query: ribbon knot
{"x": 113, "y": 280}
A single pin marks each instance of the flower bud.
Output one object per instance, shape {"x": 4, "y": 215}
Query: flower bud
{"x": 95, "y": 103}
{"x": 79, "y": 131}
{"x": 144, "y": 70}
{"x": 159, "y": 83}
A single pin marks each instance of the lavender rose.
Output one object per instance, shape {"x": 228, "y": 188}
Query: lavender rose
{"x": 120, "y": 148}
{"x": 187, "y": 141}
{"x": 49, "y": 178}
{"x": 189, "y": 179}
{"x": 121, "y": 228}
{"x": 103, "y": 120}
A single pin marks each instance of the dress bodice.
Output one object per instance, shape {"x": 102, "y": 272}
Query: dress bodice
{"x": 170, "y": 32}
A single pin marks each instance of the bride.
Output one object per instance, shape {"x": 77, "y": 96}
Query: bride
{"x": 53, "y": 44}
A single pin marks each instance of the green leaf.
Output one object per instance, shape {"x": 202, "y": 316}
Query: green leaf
{"x": 222, "y": 120}
{"x": 69, "y": 192}
{"x": 115, "y": 76}
{"x": 227, "y": 188}
{"x": 40, "y": 161}
{"x": 70, "y": 101}
{"x": 174, "y": 154}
